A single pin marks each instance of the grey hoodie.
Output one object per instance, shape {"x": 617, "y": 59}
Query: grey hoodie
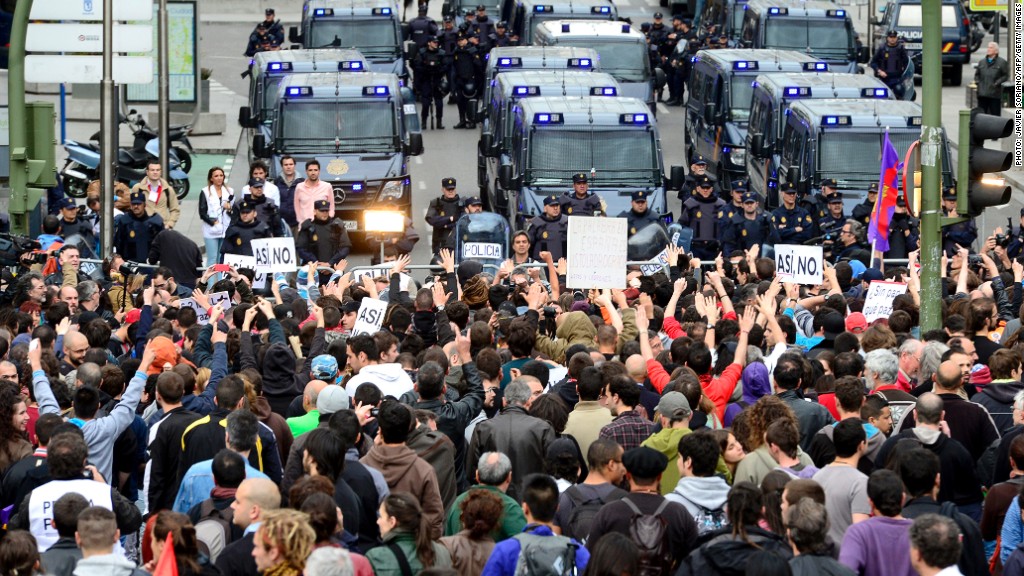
{"x": 105, "y": 565}
{"x": 390, "y": 378}
{"x": 695, "y": 493}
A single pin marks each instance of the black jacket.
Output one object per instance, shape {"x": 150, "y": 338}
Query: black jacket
{"x": 178, "y": 252}
{"x": 521, "y": 437}
{"x": 956, "y": 467}
{"x": 997, "y": 398}
{"x": 61, "y": 558}
{"x": 204, "y": 437}
{"x": 165, "y": 455}
{"x": 359, "y": 479}
{"x": 727, "y": 556}
{"x": 322, "y": 241}
{"x": 972, "y": 555}
{"x": 236, "y": 558}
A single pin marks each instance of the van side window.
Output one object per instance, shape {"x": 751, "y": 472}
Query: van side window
{"x": 697, "y": 92}
{"x": 809, "y": 165}
{"x": 517, "y": 144}
{"x": 790, "y": 145}
{"x": 749, "y": 26}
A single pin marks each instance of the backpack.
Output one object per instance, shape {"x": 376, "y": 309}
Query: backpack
{"x": 214, "y": 528}
{"x": 545, "y": 555}
{"x": 650, "y": 533}
{"x": 709, "y": 520}
{"x": 582, "y": 515}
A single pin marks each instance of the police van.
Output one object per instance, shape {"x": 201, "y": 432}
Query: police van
{"x": 373, "y": 27}
{"x": 513, "y": 87}
{"x": 905, "y": 18}
{"x": 718, "y": 104}
{"x": 842, "y": 139}
{"x": 362, "y": 128}
{"x": 772, "y": 95}
{"x": 554, "y": 137}
{"x": 527, "y": 14}
{"x": 621, "y": 49}
{"x": 267, "y": 69}
{"x": 726, "y": 16}
{"x": 820, "y": 28}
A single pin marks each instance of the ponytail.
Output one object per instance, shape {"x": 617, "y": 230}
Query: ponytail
{"x": 409, "y": 517}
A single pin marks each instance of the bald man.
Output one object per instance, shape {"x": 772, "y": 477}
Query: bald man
{"x": 969, "y": 423}
{"x": 253, "y": 499}
{"x": 636, "y": 367}
{"x": 299, "y": 425}
{"x": 69, "y": 295}
{"x": 75, "y": 347}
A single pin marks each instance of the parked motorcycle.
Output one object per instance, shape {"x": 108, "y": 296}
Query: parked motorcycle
{"x": 82, "y": 167}
{"x": 142, "y": 133}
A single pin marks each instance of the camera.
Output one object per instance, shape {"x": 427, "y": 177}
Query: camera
{"x": 13, "y": 248}
{"x": 974, "y": 260}
{"x": 35, "y": 258}
{"x": 550, "y": 312}
{"x": 1003, "y": 240}
{"x": 374, "y": 412}
{"x": 128, "y": 268}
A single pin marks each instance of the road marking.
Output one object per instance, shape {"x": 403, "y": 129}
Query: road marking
{"x": 227, "y": 167}
{"x": 422, "y": 185}
{"x": 418, "y": 159}
{"x": 662, "y": 109}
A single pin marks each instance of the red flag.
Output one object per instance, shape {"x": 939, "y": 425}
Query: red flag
{"x": 168, "y": 564}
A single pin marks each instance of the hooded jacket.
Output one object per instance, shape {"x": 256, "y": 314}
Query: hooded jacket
{"x": 757, "y": 464}
{"x": 823, "y": 450}
{"x": 390, "y": 378}
{"x": 577, "y": 328}
{"x": 695, "y": 493}
{"x": 107, "y": 565}
{"x": 438, "y": 451}
{"x": 280, "y": 382}
{"x": 404, "y": 471}
{"x": 756, "y": 384}
{"x": 666, "y": 441}
{"x": 727, "y": 555}
{"x": 997, "y": 398}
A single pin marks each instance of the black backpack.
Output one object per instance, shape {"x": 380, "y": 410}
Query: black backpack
{"x": 650, "y": 533}
{"x": 582, "y": 516}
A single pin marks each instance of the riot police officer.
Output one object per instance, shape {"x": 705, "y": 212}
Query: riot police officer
{"x": 322, "y": 238}
{"x": 482, "y": 29}
{"x": 135, "y": 230}
{"x": 750, "y": 227}
{"x": 422, "y": 28}
{"x": 72, "y": 223}
{"x": 904, "y": 231}
{"x": 726, "y": 213}
{"x": 581, "y": 202}
{"x": 890, "y": 60}
{"x": 701, "y": 213}
{"x": 963, "y": 233}
{"x": 473, "y": 205}
{"x": 698, "y": 169}
{"x": 549, "y": 232}
{"x": 266, "y": 211}
{"x": 817, "y": 206}
{"x": 862, "y": 212}
{"x": 442, "y": 214}
{"x": 794, "y": 224}
{"x": 466, "y": 65}
{"x": 639, "y": 216}
{"x": 1016, "y": 246}
{"x": 500, "y": 38}
{"x": 239, "y": 236}
{"x": 431, "y": 67}
{"x": 831, "y": 224}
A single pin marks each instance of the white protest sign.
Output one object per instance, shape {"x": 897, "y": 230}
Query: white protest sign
{"x": 878, "y": 302}
{"x": 202, "y": 317}
{"x": 799, "y": 264}
{"x": 371, "y": 316}
{"x": 658, "y": 264}
{"x": 481, "y": 250}
{"x": 223, "y": 299}
{"x": 275, "y": 254}
{"x": 239, "y": 261}
{"x": 597, "y": 253}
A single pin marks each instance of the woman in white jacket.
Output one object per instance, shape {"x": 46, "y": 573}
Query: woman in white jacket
{"x": 215, "y": 211}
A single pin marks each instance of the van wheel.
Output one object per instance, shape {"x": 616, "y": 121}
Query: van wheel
{"x": 956, "y": 75}
{"x": 485, "y": 199}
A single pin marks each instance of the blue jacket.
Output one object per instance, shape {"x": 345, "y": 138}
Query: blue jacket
{"x": 198, "y": 482}
{"x": 506, "y": 554}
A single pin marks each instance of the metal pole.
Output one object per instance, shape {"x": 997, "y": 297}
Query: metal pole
{"x": 18, "y": 138}
{"x": 108, "y": 133}
{"x": 164, "y": 88}
{"x": 931, "y": 164}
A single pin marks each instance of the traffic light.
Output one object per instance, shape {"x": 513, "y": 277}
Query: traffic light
{"x": 985, "y": 190}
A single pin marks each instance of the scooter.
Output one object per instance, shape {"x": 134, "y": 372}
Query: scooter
{"x": 142, "y": 134}
{"x": 82, "y": 167}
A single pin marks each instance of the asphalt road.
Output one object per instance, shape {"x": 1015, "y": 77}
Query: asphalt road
{"x": 452, "y": 152}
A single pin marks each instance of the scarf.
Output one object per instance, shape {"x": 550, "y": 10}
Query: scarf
{"x": 283, "y": 569}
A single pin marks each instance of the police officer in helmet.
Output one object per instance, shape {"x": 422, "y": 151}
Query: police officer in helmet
{"x": 466, "y": 64}
{"x": 431, "y": 67}
{"x": 442, "y": 214}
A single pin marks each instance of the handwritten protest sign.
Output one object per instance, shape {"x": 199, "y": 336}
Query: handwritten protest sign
{"x": 202, "y": 317}
{"x": 799, "y": 264}
{"x": 597, "y": 253}
{"x": 239, "y": 261}
{"x": 371, "y": 316}
{"x": 878, "y": 302}
{"x": 274, "y": 254}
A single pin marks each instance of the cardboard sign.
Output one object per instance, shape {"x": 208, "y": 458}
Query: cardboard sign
{"x": 878, "y": 302}
{"x": 481, "y": 250}
{"x": 239, "y": 261}
{"x": 201, "y": 316}
{"x": 371, "y": 316}
{"x": 597, "y": 253}
{"x": 799, "y": 264}
{"x": 275, "y": 254}
{"x": 658, "y": 264}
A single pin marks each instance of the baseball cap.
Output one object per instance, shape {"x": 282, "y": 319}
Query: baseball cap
{"x": 830, "y": 182}
{"x": 133, "y": 316}
{"x": 138, "y": 197}
{"x": 739, "y": 185}
{"x": 473, "y": 201}
{"x": 256, "y": 182}
{"x": 873, "y": 188}
{"x": 246, "y": 206}
{"x": 268, "y": 11}
{"x": 674, "y": 406}
{"x": 658, "y": 15}
{"x": 448, "y": 182}
{"x": 858, "y": 268}
{"x": 321, "y": 205}
{"x": 856, "y": 323}
{"x": 699, "y": 160}
{"x": 324, "y": 367}
{"x": 64, "y": 203}
{"x": 705, "y": 181}
{"x": 871, "y": 275}
{"x": 501, "y": 24}
{"x": 644, "y": 462}
{"x": 579, "y": 177}
{"x": 750, "y": 197}
{"x": 949, "y": 194}
{"x": 837, "y": 198}
{"x": 892, "y": 34}
{"x": 551, "y": 200}
{"x": 332, "y": 399}
{"x": 833, "y": 324}
{"x": 638, "y": 196}
{"x": 788, "y": 189}
{"x": 480, "y": 7}
{"x": 901, "y": 201}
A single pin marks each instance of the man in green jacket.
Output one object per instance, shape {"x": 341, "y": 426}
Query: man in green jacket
{"x": 493, "y": 473}
{"x": 674, "y": 413}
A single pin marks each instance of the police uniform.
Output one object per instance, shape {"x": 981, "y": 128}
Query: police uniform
{"x": 572, "y": 205}
{"x": 732, "y": 208}
{"x": 422, "y": 27}
{"x": 239, "y": 236}
{"x": 702, "y": 214}
{"x": 743, "y": 233}
{"x": 892, "y": 60}
{"x": 818, "y": 205}
{"x": 266, "y": 211}
{"x": 637, "y": 221}
{"x": 862, "y": 212}
{"x": 466, "y": 68}
{"x": 442, "y": 215}
{"x": 133, "y": 235}
{"x": 500, "y": 38}
{"x": 786, "y": 221}
{"x": 904, "y": 233}
{"x": 962, "y": 233}
{"x": 431, "y": 67}
{"x": 689, "y": 187}
{"x": 549, "y": 234}
{"x": 1016, "y": 246}
{"x": 830, "y": 224}
{"x": 322, "y": 240}
{"x": 80, "y": 226}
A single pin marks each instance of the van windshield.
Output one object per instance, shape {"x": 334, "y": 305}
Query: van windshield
{"x": 626, "y": 61}
{"x": 741, "y": 92}
{"x": 857, "y": 155}
{"x": 818, "y": 36}
{"x": 556, "y": 154}
{"x": 910, "y": 16}
{"x": 373, "y": 37}
{"x": 313, "y": 126}
{"x": 270, "y": 84}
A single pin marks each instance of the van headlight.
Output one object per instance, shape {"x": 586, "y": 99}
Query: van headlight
{"x": 738, "y": 156}
{"x": 391, "y": 190}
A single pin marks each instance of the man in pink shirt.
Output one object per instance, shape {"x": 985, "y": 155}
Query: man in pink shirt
{"x": 311, "y": 190}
